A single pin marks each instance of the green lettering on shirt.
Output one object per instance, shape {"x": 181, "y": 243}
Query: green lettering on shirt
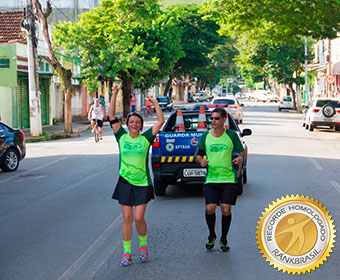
{"x": 133, "y": 156}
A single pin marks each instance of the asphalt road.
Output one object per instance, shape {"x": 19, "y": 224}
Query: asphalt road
{"x": 58, "y": 220}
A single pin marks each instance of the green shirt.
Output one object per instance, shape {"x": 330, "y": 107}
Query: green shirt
{"x": 134, "y": 155}
{"x": 219, "y": 153}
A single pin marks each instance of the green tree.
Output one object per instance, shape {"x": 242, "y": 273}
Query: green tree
{"x": 277, "y": 20}
{"x": 199, "y": 40}
{"x": 129, "y": 40}
{"x": 284, "y": 64}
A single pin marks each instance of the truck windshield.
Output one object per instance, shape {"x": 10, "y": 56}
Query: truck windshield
{"x": 224, "y": 101}
{"x": 190, "y": 123}
{"x": 163, "y": 99}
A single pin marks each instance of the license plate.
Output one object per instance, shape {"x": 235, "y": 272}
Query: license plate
{"x": 199, "y": 172}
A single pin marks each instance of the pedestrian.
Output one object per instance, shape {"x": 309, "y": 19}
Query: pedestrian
{"x": 134, "y": 188}
{"x": 220, "y": 183}
{"x": 101, "y": 100}
{"x": 133, "y": 103}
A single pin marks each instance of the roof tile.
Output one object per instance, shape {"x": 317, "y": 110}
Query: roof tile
{"x": 10, "y": 26}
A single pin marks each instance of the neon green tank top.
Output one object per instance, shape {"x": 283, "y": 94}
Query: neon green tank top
{"x": 219, "y": 153}
{"x": 133, "y": 156}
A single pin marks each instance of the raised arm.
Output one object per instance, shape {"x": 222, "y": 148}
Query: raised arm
{"x": 112, "y": 107}
{"x": 160, "y": 117}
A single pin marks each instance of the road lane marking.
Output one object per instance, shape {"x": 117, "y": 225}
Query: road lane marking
{"x": 316, "y": 165}
{"x": 101, "y": 260}
{"x": 335, "y": 185}
{"x": 34, "y": 169}
{"x": 75, "y": 267}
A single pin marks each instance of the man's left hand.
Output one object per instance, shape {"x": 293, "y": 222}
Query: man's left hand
{"x": 238, "y": 160}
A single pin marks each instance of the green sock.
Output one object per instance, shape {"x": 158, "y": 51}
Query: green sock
{"x": 127, "y": 246}
{"x": 142, "y": 240}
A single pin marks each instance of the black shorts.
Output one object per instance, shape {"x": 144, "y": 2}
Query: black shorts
{"x": 218, "y": 193}
{"x": 99, "y": 122}
{"x": 131, "y": 195}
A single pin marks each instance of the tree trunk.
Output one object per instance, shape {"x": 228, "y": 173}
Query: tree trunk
{"x": 127, "y": 91}
{"x": 64, "y": 74}
{"x": 168, "y": 87}
{"x": 293, "y": 96}
{"x": 68, "y": 111}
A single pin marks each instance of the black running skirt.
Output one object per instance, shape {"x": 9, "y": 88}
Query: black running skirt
{"x": 131, "y": 195}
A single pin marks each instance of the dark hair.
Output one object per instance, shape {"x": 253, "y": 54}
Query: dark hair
{"x": 135, "y": 114}
{"x": 221, "y": 111}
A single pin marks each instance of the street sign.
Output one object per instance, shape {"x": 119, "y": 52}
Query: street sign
{"x": 330, "y": 79}
{"x": 229, "y": 80}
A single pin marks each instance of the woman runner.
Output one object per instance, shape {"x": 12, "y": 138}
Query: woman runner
{"x": 134, "y": 188}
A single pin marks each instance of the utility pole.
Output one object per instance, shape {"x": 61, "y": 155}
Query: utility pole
{"x": 306, "y": 72}
{"x": 75, "y": 10}
{"x": 33, "y": 78}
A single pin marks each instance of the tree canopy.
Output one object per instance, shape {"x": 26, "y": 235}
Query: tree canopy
{"x": 133, "y": 41}
{"x": 207, "y": 54}
{"x": 277, "y": 20}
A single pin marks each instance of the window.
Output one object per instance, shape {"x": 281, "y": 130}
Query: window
{"x": 163, "y": 99}
{"x": 224, "y": 101}
{"x": 321, "y": 103}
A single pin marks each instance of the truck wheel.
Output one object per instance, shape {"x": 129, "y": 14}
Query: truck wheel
{"x": 160, "y": 188}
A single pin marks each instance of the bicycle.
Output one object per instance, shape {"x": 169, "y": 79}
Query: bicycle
{"x": 95, "y": 131}
{"x": 147, "y": 111}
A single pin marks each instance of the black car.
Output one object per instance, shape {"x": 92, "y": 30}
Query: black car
{"x": 12, "y": 147}
{"x": 165, "y": 103}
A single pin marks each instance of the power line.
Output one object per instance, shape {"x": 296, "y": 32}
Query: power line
{"x": 55, "y": 6}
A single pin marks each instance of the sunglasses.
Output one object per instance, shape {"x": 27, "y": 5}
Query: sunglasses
{"x": 215, "y": 118}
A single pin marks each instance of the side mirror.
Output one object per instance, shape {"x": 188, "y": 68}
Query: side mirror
{"x": 246, "y": 132}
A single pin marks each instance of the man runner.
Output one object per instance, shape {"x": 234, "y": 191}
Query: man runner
{"x": 220, "y": 183}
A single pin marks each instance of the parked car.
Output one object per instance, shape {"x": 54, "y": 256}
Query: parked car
{"x": 274, "y": 97}
{"x": 252, "y": 95}
{"x": 201, "y": 96}
{"x": 261, "y": 96}
{"x": 286, "y": 102}
{"x": 173, "y": 153}
{"x": 12, "y": 147}
{"x": 165, "y": 103}
{"x": 234, "y": 107}
{"x": 322, "y": 112}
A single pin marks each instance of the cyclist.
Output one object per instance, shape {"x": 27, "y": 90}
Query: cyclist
{"x": 97, "y": 112}
{"x": 148, "y": 106}
{"x": 220, "y": 183}
{"x": 134, "y": 187}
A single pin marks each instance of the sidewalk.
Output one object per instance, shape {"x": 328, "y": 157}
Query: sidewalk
{"x": 53, "y": 132}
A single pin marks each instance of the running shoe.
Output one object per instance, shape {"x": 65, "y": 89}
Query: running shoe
{"x": 143, "y": 254}
{"x": 101, "y": 138}
{"x": 211, "y": 242}
{"x": 92, "y": 130}
{"x": 126, "y": 260}
{"x": 224, "y": 246}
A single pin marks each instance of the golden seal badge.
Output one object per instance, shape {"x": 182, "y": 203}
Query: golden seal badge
{"x": 295, "y": 234}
